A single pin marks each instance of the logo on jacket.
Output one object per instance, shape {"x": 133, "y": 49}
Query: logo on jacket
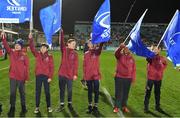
{"x": 22, "y": 58}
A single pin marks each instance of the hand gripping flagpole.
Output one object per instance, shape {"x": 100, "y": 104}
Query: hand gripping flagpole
{"x": 31, "y": 20}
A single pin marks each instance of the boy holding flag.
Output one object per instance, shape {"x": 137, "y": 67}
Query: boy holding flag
{"x": 44, "y": 72}
{"x": 125, "y": 75}
{"x": 18, "y": 73}
{"x": 155, "y": 70}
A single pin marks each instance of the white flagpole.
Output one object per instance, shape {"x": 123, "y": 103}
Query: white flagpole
{"x": 126, "y": 38}
{"x": 135, "y": 24}
{"x": 166, "y": 29}
{"x": 61, "y": 22}
{"x": 2, "y": 27}
{"x": 31, "y": 20}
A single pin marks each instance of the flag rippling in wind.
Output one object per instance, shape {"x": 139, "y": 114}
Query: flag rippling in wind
{"x": 101, "y": 29}
{"x": 15, "y": 11}
{"x": 171, "y": 38}
{"x": 51, "y": 20}
{"x": 135, "y": 44}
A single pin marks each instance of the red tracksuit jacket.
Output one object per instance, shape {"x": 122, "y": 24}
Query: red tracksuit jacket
{"x": 156, "y": 67}
{"x": 126, "y": 67}
{"x": 19, "y": 63}
{"x": 69, "y": 61}
{"x": 44, "y": 62}
{"x": 91, "y": 64}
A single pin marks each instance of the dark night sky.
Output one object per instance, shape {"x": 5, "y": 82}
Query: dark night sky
{"x": 160, "y": 11}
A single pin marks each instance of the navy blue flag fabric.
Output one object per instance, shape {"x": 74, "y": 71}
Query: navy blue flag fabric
{"x": 135, "y": 44}
{"x": 101, "y": 29}
{"x": 15, "y": 11}
{"x": 171, "y": 38}
{"x": 51, "y": 20}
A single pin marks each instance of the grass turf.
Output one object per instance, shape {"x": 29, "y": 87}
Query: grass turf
{"x": 170, "y": 97}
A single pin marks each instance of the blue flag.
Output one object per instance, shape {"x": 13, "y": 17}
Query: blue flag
{"x": 51, "y": 20}
{"x": 171, "y": 38}
{"x": 101, "y": 29}
{"x": 15, "y": 11}
{"x": 135, "y": 44}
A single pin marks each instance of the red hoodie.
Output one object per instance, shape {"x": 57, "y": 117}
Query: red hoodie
{"x": 126, "y": 67}
{"x": 19, "y": 63}
{"x": 156, "y": 67}
{"x": 69, "y": 61}
{"x": 44, "y": 62}
{"x": 91, "y": 64}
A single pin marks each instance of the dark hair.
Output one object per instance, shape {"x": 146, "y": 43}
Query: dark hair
{"x": 71, "y": 40}
{"x": 45, "y": 45}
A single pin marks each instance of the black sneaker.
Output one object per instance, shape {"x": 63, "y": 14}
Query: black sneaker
{"x": 146, "y": 110}
{"x": 24, "y": 110}
{"x": 159, "y": 109}
{"x": 0, "y": 108}
{"x": 60, "y": 108}
{"x": 70, "y": 107}
{"x": 96, "y": 111}
{"x": 11, "y": 112}
{"x": 89, "y": 109}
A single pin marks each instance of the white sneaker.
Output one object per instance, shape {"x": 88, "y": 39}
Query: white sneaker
{"x": 36, "y": 111}
{"x": 50, "y": 110}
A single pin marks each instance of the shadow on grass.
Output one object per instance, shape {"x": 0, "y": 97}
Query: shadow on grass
{"x": 153, "y": 114}
{"x": 65, "y": 113}
{"x": 50, "y": 115}
{"x": 22, "y": 114}
{"x": 133, "y": 113}
{"x": 39, "y": 115}
{"x": 73, "y": 112}
{"x": 105, "y": 99}
{"x": 165, "y": 113}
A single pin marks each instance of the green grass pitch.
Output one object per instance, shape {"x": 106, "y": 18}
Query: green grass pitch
{"x": 170, "y": 91}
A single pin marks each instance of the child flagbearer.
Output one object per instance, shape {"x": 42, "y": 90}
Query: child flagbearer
{"x": 18, "y": 73}
{"x": 155, "y": 70}
{"x": 92, "y": 75}
{"x": 68, "y": 70}
{"x": 44, "y": 72}
{"x": 125, "y": 75}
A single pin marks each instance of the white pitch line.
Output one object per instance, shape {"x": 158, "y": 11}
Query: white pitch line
{"x": 4, "y": 68}
{"x": 111, "y": 101}
{"x": 8, "y": 66}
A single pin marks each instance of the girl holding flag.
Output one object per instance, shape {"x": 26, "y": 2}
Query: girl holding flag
{"x": 125, "y": 75}
{"x": 155, "y": 70}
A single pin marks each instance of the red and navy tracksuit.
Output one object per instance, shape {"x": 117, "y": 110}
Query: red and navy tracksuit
{"x": 155, "y": 70}
{"x": 18, "y": 73}
{"x": 44, "y": 70}
{"x": 91, "y": 73}
{"x": 125, "y": 75}
{"x": 67, "y": 70}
